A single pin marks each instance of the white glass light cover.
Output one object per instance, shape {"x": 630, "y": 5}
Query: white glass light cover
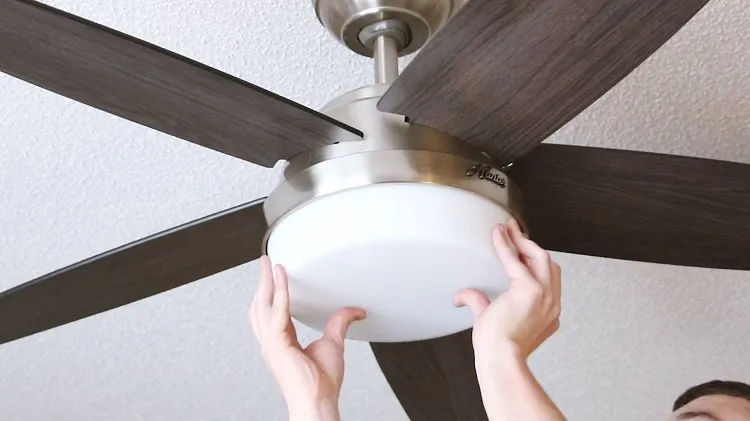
{"x": 399, "y": 250}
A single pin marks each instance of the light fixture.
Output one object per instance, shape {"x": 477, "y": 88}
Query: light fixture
{"x": 395, "y": 224}
{"x": 398, "y": 250}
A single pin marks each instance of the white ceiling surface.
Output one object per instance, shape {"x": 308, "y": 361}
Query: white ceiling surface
{"x": 75, "y": 181}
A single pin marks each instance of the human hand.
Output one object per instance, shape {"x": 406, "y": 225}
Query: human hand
{"x": 309, "y": 378}
{"x": 523, "y": 317}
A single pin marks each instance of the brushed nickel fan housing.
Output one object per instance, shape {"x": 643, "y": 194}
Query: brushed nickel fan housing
{"x": 405, "y": 192}
{"x": 392, "y": 151}
{"x": 358, "y": 23}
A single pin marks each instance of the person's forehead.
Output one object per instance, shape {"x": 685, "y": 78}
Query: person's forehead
{"x": 714, "y": 407}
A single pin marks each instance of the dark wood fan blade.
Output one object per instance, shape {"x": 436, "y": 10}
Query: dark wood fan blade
{"x": 154, "y": 87}
{"x": 434, "y": 380}
{"x": 637, "y": 206}
{"x": 135, "y": 271}
{"x": 503, "y": 75}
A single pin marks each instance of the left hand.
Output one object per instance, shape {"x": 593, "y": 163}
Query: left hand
{"x": 310, "y": 378}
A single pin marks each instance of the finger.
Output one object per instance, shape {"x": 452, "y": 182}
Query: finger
{"x": 556, "y": 284}
{"x": 549, "y": 331}
{"x": 476, "y": 300}
{"x": 525, "y": 260}
{"x": 538, "y": 259}
{"x": 264, "y": 294}
{"x": 263, "y": 298}
{"x": 339, "y": 323}
{"x": 290, "y": 332}
{"x": 510, "y": 260}
{"x": 280, "y": 304}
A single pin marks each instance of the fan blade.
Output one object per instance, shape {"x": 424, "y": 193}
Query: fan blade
{"x": 154, "y": 87}
{"x": 434, "y": 380}
{"x": 637, "y": 206}
{"x": 504, "y": 75}
{"x": 135, "y": 271}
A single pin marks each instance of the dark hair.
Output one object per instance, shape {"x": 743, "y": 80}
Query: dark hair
{"x": 714, "y": 387}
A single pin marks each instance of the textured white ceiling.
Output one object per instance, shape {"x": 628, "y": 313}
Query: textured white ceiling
{"x": 75, "y": 181}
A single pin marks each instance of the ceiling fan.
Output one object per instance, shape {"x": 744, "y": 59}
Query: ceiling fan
{"x": 399, "y": 180}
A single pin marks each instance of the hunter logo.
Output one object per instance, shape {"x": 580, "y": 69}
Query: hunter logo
{"x": 485, "y": 172}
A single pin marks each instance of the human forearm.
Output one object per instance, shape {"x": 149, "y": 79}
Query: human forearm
{"x": 509, "y": 390}
{"x": 320, "y": 411}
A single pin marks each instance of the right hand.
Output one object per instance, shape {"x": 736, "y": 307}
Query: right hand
{"x": 526, "y": 314}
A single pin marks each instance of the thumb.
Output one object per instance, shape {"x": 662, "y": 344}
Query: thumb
{"x": 476, "y": 300}
{"x": 339, "y": 323}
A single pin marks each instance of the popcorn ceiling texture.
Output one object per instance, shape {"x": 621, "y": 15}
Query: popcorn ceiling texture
{"x": 75, "y": 181}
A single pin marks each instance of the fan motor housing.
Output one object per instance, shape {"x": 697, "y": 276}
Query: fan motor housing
{"x": 392, "y": 151}
{"x": 357, "y": 23}
{"x": 407, "y": 210}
